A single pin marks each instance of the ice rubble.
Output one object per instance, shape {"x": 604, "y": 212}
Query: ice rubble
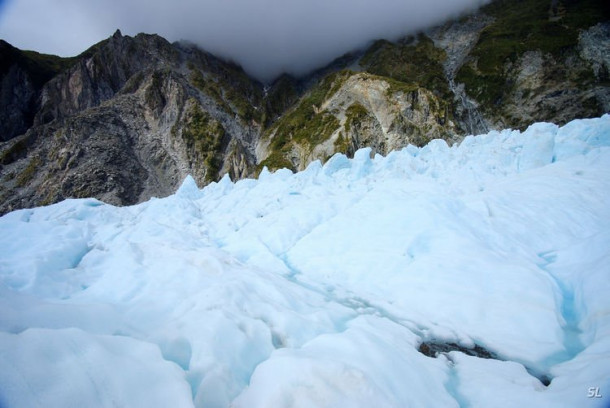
{"x": 316, "y": 288}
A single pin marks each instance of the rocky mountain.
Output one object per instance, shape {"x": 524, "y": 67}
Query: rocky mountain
{"x": 131, "y": 117}
{"x": 129, "y": 121}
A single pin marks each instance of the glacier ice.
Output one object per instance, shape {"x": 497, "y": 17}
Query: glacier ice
{"x": 316, "y": 288}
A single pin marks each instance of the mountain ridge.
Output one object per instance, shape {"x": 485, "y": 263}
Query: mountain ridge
{"x": 131, "y": 117}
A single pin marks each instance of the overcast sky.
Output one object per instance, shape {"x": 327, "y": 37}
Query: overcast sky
{"x": 267, "y": 37}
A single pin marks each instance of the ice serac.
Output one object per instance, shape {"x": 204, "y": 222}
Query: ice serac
{"x": 318, "y": 289}
{"x": 188, "y": 189}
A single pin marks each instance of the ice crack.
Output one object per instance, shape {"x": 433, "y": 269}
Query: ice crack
{"x": 570, "y": 314}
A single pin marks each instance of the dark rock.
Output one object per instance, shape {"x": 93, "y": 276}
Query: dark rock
{"x": 434, "y": 348}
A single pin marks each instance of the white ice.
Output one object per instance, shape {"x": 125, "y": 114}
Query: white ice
{"x": 316, "y": 289}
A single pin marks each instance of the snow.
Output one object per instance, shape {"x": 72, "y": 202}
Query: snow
{"x": 316, "y": 289}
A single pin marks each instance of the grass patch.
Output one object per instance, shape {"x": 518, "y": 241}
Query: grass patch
{"x": 154, "y": 93}
{"x": 419, "y": 64}
{"x": 521, "y": 26}
{"x": 242, "y": 106}
{"x": 230, "y": 99}
{"x": 283, "y": 93}
{"x": 343, "y": 145}
{"x": 487, "y": 88}
{"x": 204, "y": 136}
{"x": 28, "y": 173}
{"x": 398, "y": 86}
{"x": 210, "y": 88}
{"x": 276, "y": 160}
{"x": 16, "y": 150}
{"x": 355, "y": 115}
{"x": 305, "y": 124}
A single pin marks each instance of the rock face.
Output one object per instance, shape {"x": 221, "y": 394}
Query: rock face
{"x": 595, "y": 49}
{"x": 458, "y": 39}
{"x": 350, "y": 110}
{"x": 130, "y": 118}
{"x": 530, "y": 62}
{"x": 22, "y": 75}
{"x": 508, "y": 65}
{"x": 130, "y": 122}
{"x": 17, "y": 102}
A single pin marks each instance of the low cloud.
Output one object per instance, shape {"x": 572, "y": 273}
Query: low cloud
{"x": 267, "y": 37}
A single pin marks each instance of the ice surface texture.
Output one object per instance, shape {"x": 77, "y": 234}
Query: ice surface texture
{"x": 316, "y": 289}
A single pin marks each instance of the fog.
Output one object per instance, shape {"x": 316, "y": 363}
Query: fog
{"x": 267, "y": 37}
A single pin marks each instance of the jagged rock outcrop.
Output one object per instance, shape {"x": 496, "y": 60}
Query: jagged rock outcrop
{"x": 508, "y": 65}
{"x": 129, "y": 122}
{"x": 94, "y": 80}
{"x": 129, "y": 118}
{"x": 22, "y": 75}
{"x": 458, "y": 39}
{"x": 527, "y": 64}
{"x": 17, "y": 102}
{"x": 351, "y": 110}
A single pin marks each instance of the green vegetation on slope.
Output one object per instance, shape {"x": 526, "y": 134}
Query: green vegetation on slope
{"x": 28, "y": 173}
{"x": 154, "y": 93}
{"x": 355, "y": 114}
{"x": 229, "y": 98}
{"x": 240, "y": 91}
{"x": 305, "y": 124}
{"x": 276, "y": 160}
{"x": 420, "y": 63}
{"x": 343, "y": 145}
{"x": 520, "y": 26}
{"x": 283, "y": 93}
{"x": 40, "y": 67}
{"x": 209, "y": 87}
{"x": 17, "y": 149}
{"x": 204, "y": 136}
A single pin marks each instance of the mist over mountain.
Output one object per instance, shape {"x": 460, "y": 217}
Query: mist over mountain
{"x": 267, "y": 37}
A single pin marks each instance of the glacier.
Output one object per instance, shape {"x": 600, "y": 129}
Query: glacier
{"x": 318, "y": 289}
